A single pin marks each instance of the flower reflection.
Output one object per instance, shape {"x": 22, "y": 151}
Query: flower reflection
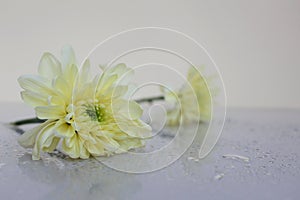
{"x": 78, "y": 179}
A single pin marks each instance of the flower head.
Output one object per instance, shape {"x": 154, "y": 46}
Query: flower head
{"x": 192, "y": 102}
{"x": 84, "y": 115}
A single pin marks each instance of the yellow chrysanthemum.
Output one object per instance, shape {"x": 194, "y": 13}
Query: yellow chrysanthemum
{"x": 192, "y": 102}
{"x": 85, "y": 116}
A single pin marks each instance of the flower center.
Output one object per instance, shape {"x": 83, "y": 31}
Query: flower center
{"x": 96, "y": 112}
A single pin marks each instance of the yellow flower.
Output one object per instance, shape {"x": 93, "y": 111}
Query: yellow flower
{"x": 192, "y": 102}
{"x": 85, "y": 115}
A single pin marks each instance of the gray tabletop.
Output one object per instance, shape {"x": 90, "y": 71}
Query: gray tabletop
{"x": 256, "y": 157}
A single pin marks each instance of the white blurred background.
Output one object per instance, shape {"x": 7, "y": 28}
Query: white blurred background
{"x": 256, "y": 44}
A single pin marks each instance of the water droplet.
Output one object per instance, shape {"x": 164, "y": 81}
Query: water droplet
{"x": 268, "y": 174}
{"x": 237, "y": 157}
{"x": 219, "y": 176}
{"x": 55, "y": 161}
{"x": 193, "y": 158}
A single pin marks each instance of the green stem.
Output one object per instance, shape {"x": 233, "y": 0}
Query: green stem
{"x": 27, "y": 121}
{"x": 36, "y": 120}
{"x": 150, "y": 100}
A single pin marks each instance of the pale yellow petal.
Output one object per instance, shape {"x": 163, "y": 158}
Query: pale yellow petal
{"x": 95, "y": 149}
{"x": 105, "y": 83}
{"x": 73, "y": 147}
{"x": 174, "y": 117}
{"x": 84, "y": 72}
{"x": 129, "y": 109}
{"x": 34, "y": 99}
{"x": 68, "y": 57}
{"x": 124, "y": 73}
{"x": 87, "y": 136}
{"x": 50, "y": 144}
{"x": 70, "y": 75}
{"x": 50, "y": 112}
{"x": 116, "y": 92}
{"x": 128, "y": 144}
{"x": 64, "y": 130}
{"x": 84, "y": 154}
{"x": 171, "y": 97}
{"x": 42, "y": 137}
{"x": 134, "y": 128}
{"x": 27, "y": 139}
{"x": 49, "y": 66}
{"x": 108, "y": 143}
{"x": 121, "y": 73}
{"x": 61, "y": 85}
{"x": 57, "y": 100}
{"x": 36, "y": 84}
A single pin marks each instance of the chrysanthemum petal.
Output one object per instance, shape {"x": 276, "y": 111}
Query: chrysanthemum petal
{"x": 124, "y": 73}
{"x": 84, "y": 154}
{"x": 117, "y": 92}
{"x": 134, "y": 128}
{"x": 42, "y": 137}
{"x": 36, "y": 83}
{"x": 84, "y": 73}
{"x": 34, "y": 99}
{"x": 49, "y": 66}
{"x": 74, "y": 147}
{"x": 61, "y": 85}
{"x": 27, "y": 139}
{"x": 105, "y": 83}
{"x": 96, "y": 149}
{"x": 50, "y": 112}
{"x": 129, "y": 109}
{"x": 57, "y": 100}
{"x": 128, "y": 144}
{"x": 50, "y": 144}
{"x": 87, "y": 136}
{"x": 174, "y": 117}
{"x": 68, "y": 57}
{"x": 64, "y": 130}
{"x": 71, "y": 74}
{"x": 109, "y": 143}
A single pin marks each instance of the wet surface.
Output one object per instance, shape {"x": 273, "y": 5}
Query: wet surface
{"x": 257, "y": 157}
